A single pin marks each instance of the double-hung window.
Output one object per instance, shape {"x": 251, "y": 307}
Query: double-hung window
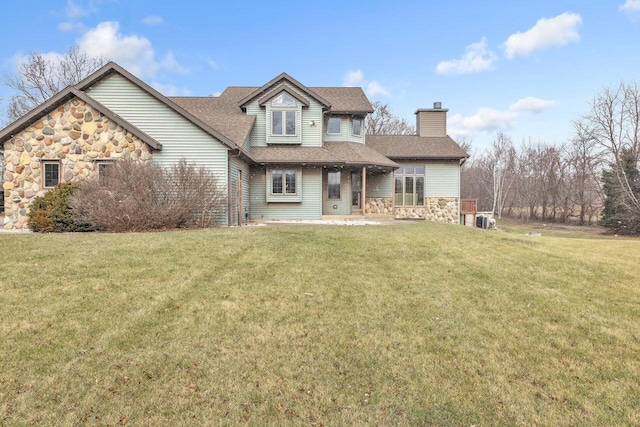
{"x": 283, "y": 182}
{"x": 283, "y": 115}
{"x": 409, "y": 186}
{"x": 51, "y": 174}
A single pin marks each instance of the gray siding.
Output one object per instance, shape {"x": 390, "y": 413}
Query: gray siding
{"x": 380, "y": 185}
{"x": 442, "y": 179}
{"x": 346, "y": 130}
{"x": 308, "y": 135}
{"x": 309, "y": 208}
{"x": 236, "y": 166}
{"x": 179, "y": 137}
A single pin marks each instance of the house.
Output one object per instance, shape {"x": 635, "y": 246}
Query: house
{"x": 282, "y": 150}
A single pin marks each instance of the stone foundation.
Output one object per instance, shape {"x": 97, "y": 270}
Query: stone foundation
{"x": 75, "y": 134}
{"x": 378, "y": 205}
{"x": 435, "y": 209}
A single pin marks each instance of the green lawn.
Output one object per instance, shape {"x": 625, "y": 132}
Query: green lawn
{"x": 410, "y": 324}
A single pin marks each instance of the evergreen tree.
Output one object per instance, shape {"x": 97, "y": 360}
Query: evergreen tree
{"x": 619, "y": 214}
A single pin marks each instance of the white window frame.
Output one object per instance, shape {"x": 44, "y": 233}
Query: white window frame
{"x": 403, "y": 175}
{"x": 282, "y": 109}
{"x": 284, "y": 185}
{"x": 284, "y": 195}
{"x": 339, "y": 120}
{"x": 339, "y": 176}
{"x": 353, "y": 127}
{"x": 44, "y": 172}
{"x": 283, "y": 117}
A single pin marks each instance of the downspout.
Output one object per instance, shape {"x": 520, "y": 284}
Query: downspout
{"x": 364, "y": 191}
{"x": 232, "y": 154}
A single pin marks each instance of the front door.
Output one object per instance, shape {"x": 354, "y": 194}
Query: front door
{"x": 336, "y": 199}
{"x": 356, "y": 191}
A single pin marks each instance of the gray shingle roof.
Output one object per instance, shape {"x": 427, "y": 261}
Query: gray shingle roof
{"x": 337, "y": 153}
{"x": 225, "y": 115}
{"x": 345, "y": 99}
{"x": 416, "y": 147}
{"x": 221, "y": 113}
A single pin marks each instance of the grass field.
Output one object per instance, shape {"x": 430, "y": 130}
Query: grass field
{"x": 410, "y": 324}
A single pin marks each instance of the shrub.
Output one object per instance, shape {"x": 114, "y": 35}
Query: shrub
{"x": 52, "y": 212}
{"x": 145, "y": 196}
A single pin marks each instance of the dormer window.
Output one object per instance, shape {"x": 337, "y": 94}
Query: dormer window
{"x": 283, "y": 115}
{"x": 283, "y": 100}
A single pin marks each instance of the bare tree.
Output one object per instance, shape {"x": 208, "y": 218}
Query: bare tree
{"x": 499, "y": 176}
{"x": 584, "y": 159}
{"x": 39, "y": 77}
{"x": 614, "y": 123}
{"x": 383, "y": 122}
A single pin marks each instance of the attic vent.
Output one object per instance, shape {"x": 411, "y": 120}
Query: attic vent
{"x": 437, "y": 105}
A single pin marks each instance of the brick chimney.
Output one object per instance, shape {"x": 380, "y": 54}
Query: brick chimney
{"x": 432, "y": 121}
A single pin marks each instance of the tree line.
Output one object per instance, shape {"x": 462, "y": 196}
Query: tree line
{"x": 592, "y": 177}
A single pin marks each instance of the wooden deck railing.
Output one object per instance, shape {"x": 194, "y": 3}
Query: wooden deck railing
{"x": 468, "y": 206}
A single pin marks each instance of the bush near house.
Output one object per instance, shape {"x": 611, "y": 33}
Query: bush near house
{"x": 52, "y": 212}
{"x": 131, "y": 196}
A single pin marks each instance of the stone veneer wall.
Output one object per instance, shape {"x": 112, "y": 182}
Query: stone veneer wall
{"x": 435, "y": 209}
{"x": 77, "y": 135}
{"x": 378, "y": 205}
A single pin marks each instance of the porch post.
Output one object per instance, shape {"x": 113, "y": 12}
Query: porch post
{"x": 364, "y": 190}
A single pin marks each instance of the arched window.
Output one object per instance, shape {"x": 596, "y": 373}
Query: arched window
{"x": 283, "y": 115}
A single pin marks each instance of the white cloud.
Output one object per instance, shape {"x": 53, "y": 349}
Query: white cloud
{"x": 153, "y": 20}
{"x": 213, "y": 64}
{"x": 630, "y": 6}
{"x": 74, "y": 11}
{"x": 531, "y": 105}
{"x": 373, "y": 87}
{"x": 133, "y": 52}
{"x": 66, "y": 27}
{"x": 170, "y": 90}
{"x": 477, "y": 57}
{"x": 547, "y": 33}
{"x": 353, "y": 78}
{"x": 170, "y": 64}
{"x": 491, "y": 120}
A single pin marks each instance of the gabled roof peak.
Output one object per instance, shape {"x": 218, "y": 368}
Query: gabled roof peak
{"x": 281, "y": 80}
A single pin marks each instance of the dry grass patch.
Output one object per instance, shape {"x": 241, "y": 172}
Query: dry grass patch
{"x": 415, "y": 324}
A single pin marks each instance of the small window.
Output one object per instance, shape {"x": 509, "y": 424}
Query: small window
{"x": 333, "y": 186}
{"x": 283, "y": 182}
{"x": 283, "y": 100}
{"x": 333, "y": 127}
{"x": 283, "y": 122}
{"x": 104, "y": 169}
{"x": 357, "y": 126}
{"x": 51, "y": 171}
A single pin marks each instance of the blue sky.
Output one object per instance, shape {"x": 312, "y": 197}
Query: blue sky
{"x": 526, "y": 68}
